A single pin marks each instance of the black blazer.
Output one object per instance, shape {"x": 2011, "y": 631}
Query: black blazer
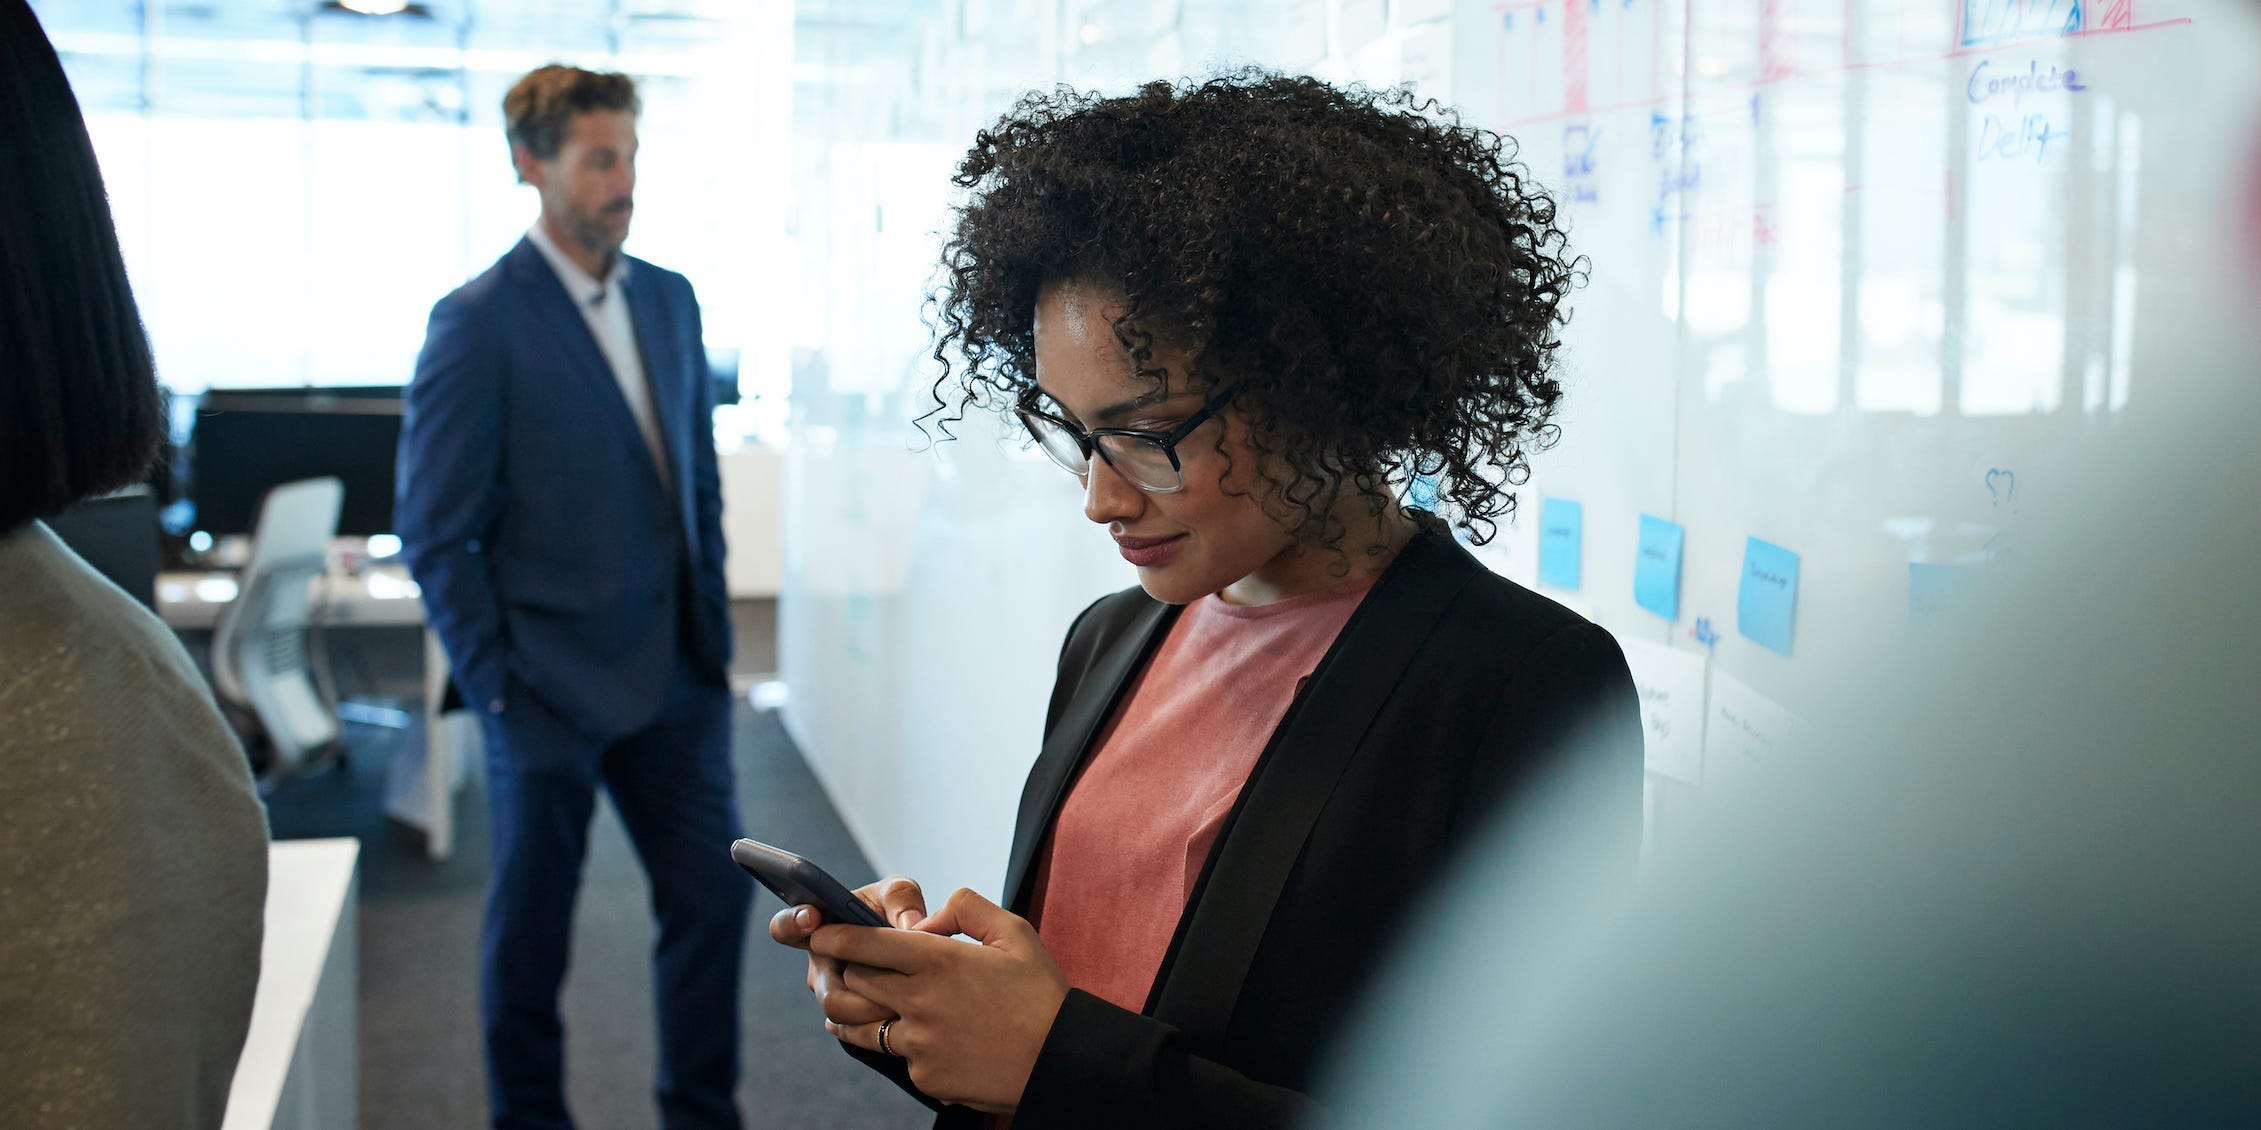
{"x": 1449, "y": 690}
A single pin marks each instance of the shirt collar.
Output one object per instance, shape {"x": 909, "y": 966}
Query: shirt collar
{"x": 584, "y": 290}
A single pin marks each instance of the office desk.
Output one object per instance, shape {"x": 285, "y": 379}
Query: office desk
{"x": 419, "y": 788}
{"x": 379, "y": 596}
{"x": 300, "y": 1064}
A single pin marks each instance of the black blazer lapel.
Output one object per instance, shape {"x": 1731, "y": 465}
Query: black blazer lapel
{"x": 1293, "y": 779}
{"x": 1070, "y": 741}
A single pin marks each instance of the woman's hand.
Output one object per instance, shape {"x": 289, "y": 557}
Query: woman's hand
{"x": 897, "y": 899}
{"x": 970, "y": 1019}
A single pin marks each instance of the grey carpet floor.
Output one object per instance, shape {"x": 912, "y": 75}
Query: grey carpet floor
{"x": 420, "y": 1057}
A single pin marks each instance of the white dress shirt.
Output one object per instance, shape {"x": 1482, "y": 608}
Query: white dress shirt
{"x": 605, "y": 307}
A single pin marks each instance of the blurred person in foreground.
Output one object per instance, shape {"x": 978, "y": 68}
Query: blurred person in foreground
{"x": 2015, "y": 887}
{"x": 561, "y": 509}
{"x": 2006, "y": 878}
{"x": 133, "y": 847}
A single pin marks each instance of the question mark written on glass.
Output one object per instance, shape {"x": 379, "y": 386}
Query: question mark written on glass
{"x": 2003, "y": 485}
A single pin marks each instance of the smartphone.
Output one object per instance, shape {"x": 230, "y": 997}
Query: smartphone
{"x": 801, "y": 883}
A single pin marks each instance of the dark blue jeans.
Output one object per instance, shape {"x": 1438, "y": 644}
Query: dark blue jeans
{"x": 673, "y": 786}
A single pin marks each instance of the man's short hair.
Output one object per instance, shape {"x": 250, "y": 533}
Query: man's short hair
{"x": 540, "y": 107}
{"x": 80, "y": 412}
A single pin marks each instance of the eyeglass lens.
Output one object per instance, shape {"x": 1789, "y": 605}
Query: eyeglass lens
{"x": 1141, "y": 461}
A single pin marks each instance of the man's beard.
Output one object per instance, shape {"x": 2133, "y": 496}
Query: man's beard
{"x": 591, "y": 231}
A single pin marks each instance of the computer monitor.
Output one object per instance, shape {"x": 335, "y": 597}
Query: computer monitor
{"x": 311, "y": 395}
{"x": 723, "y": 364}
{"x": 118, "y": 535}
{"x": 247, "y": 441}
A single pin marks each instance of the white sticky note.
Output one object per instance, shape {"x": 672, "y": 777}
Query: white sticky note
{"x": 1671, "y": 686}
{"x": 1742, "y": 728}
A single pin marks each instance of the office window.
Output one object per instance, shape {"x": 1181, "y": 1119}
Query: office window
{"x": 295, "y": 183}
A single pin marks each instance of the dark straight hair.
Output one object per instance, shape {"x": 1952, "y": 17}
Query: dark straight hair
{"x": 80, "y": 412}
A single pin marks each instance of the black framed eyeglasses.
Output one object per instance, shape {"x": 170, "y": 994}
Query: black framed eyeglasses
{"x": 1147, "y": 460}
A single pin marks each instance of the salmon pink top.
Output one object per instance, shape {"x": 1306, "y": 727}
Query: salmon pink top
{"x": 1138, "y": 822}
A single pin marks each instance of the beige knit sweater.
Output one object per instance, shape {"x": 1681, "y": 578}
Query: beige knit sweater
{"x": 133, "y": 860}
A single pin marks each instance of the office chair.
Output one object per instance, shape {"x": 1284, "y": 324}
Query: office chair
{"x": 118, "y": 535}
{"x": 259, "y": 655}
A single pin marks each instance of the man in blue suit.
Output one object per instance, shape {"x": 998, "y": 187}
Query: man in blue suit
{"x": 560, "y": 506}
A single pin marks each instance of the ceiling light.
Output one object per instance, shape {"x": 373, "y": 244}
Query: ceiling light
{"x": 377, "y": 7}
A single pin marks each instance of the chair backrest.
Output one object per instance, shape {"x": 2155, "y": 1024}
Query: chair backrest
{"x": 295, "y": 520}
{"x": 259, "y": 642}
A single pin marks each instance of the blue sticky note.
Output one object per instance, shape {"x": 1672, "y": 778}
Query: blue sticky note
{"x": 1562, "y": 528}
{"x": 1934, "y": 590}
{"x": 1421, "y": 493}
{"x": 1766, "y": 602}
{"x": 1656, "y": 566}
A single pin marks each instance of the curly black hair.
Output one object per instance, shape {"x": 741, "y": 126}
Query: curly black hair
{"x": 1383, "y": 286}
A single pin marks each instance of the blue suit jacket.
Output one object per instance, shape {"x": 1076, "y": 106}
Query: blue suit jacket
{"x": 551, "y": 556}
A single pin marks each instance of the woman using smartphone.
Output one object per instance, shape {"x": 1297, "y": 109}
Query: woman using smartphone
{"x": 1247, "y": 314}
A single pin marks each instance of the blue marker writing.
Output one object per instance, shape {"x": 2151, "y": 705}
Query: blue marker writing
{"x": 1983, "y": 87}
{"x": 2030, "y": 137}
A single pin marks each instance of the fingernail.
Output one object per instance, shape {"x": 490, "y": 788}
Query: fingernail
{"x": 805, "y": 918}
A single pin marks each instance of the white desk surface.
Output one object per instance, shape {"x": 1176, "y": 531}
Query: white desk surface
{"x": 308, "y": 885}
